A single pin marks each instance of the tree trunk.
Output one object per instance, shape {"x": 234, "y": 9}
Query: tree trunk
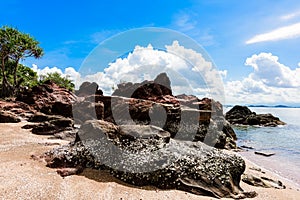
{"x": 15, "y": 88}
{"x": 6, "y": 87}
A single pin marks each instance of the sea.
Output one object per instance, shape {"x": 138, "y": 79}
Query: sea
{"x": 284, "y": 141}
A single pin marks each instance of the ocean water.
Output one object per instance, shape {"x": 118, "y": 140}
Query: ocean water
{"x": 284, "y": 141}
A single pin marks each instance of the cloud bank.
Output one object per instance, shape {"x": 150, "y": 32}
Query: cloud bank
{"x": 270, "y": 82}
{"x": 188, "y": 70}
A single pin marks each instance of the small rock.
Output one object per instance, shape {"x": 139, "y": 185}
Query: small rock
{"x": 264, "y": 153}
{"x": 246, "y": 147}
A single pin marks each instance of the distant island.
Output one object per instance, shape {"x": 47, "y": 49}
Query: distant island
{"x": 265, "y": 106}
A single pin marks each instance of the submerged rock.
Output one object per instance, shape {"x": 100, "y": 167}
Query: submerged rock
{"x": 244, "y": 116}
{"x": 267, "y": 154}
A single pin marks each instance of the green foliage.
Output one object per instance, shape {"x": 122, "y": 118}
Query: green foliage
{"x": 59, "y": 80}
{"x": 26, "y": 77}
{"x": 14, "y": 47}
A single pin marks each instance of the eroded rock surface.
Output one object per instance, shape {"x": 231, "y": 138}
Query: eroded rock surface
{"x": 261, "y": 181}
{"x": 50, "y": 99}
{"x": 8, "y": 117}
{"x": 14, "y": 111}
{"x": 53, "y": 125}
{"x": 185, "y": 117}
{"x": 150, "y": 157}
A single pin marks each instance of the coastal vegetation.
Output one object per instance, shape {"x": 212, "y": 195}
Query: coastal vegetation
{"x": 57, "y": 78}
{"x": 16, "y": 46}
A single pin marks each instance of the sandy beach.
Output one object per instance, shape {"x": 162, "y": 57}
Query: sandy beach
{"x": 24, "y": 177}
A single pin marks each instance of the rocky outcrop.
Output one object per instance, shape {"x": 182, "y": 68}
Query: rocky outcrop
{"x": 15, "y": 111}
{"x": 185, "y": 117}
{"x": 146, "y": 155}
{"x": 8, "y": 117}
{"x": 87, "y": 109}
{"x": 242, "y": 115}
{"x": 182, "y": 122}
{"x": 147, "y": 89}
{"x": 143, "y": 135}
{"x": 50, "y": 99}
{"x": 53, "y": 125}
{"x": 87, "y": 89}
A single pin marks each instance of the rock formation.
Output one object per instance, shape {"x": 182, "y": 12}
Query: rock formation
{"x": 185, "y": 117}
{"x": 50, "y": 99}
{"x": 244, "y": 116}
{"x": 142, "y": 134}
{"x": 87, "y": 89}
{"x": 13, "y": 111}
{"x": 53, "y": 125}
{"x": 146, "y": 155}
{"x": 8, "y": 117}
{"x": 262, "y": 181}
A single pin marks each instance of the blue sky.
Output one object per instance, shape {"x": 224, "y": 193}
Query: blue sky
{"x": 231, "y": 31}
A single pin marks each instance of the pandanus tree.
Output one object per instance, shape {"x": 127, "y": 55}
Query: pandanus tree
{"x": 14, "y": 47}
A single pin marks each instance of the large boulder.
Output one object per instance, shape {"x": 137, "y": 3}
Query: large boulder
{"x": 147, "y": 89}
{"x": 242, "y": 115}
{"x": 87, "y": 110}
{"x": 88, "y": 88}
{"x": 137, "y": 136}
{"x": 49, "y": 98}
{"x": 152, "y": 158}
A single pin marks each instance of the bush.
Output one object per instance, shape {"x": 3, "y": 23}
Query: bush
{"x": 58, "y": 79}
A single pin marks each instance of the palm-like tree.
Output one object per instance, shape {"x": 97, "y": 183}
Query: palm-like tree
{"x": 15, "y": 46}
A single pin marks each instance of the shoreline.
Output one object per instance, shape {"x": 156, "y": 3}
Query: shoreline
{"x": 22, "y": 176}
{"x": 292, "y": 190}
{"x": 273, "y": 166}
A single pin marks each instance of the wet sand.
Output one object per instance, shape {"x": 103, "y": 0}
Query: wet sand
{"x": 23, "y": 177}
{"x": 284, "y": 168}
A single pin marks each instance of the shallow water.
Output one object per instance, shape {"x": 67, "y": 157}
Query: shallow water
{"x": 284, "y": 141}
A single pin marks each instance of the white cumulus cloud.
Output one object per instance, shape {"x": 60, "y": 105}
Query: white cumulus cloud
{"x": 188, "y": 70}
{"x": 271, "y": 82}
{"x": 46, "y": 70}
{"x": 271, "y": 72}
